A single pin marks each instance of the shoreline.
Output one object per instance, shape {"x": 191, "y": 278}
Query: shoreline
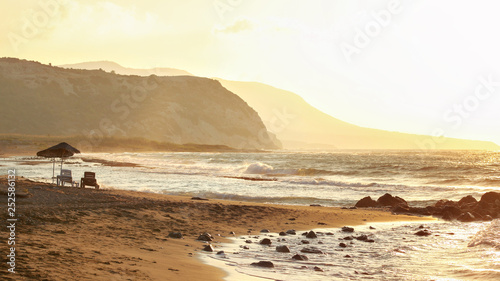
{"x": 108, "y": 233}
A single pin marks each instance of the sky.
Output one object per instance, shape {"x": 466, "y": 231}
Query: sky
{"x": 424, "y": 67}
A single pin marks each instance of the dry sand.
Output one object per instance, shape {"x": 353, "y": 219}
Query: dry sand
{"x": 67, "y": 233}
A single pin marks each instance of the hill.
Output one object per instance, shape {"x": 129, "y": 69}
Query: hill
{"x": 40, "y": 99}
{"x": 301, "y": 126}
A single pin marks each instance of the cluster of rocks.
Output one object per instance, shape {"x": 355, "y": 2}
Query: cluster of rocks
{"x": 466, "y": 209}
{"x": 311, "y": 236}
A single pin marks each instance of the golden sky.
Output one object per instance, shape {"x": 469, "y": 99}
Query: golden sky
{"x": 424, "y": 67}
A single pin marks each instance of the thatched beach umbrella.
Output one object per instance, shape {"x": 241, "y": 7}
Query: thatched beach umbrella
{"x": 62, "y": 150}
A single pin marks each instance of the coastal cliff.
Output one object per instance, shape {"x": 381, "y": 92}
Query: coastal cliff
{"x": 44, "y": 100}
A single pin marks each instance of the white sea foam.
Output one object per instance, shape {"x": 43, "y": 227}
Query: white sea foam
{"x": 489, "y": 236}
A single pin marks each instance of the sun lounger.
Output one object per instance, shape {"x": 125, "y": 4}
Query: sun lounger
{"x": 64, "y": 177}
{"x": 89, "y": 179}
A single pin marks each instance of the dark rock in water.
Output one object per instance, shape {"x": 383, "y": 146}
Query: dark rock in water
{"x": 300, "y": 257}
{"x": 347, "y": 256}
{"x": 232, "y": 233}
{"x": 371, "y": 227}
{"x": 466, "y": 217}
{"x": 282, "y": 249}
{"x": 305, "y": 242}
{"x": 177, "y": 235}
{"x": 208, "y": 248}
{"x": 391, "y": 201}
{"x": 311, "y": 250}
{"x": 246, "y": 247}
{"x": 264, "y": 231}
{"x": 445, "y": 203}
{"x": 454, "y": 212}
{"x": 400, "y": 210}
{"x": 348, "y": 238}
{"x": 347, "y": 229}
{"x": 362, "y": 237}
{"x": 318, "y": 269}
{"x": 342, "y": 245}
{"x": 282, "y": 233}
{"x": 424, "y": 232}
{"x": 248, "y": 241}
{"x": 205, "y": 237}
{"x": 370, "y": 241}
{"x": 267, "y": 264}
{"x": 366, "y": 202}
{"x": 311, "y": 234}
{"x": 490, "y": 198}
{"x": 291, "y": 232}
{"x": 329, "y": 233}
{"x": 265, "y": 241}
{"x": 420, "y": 211}
{"x": 469, "y": 199}
{"x": 220, "y": 253}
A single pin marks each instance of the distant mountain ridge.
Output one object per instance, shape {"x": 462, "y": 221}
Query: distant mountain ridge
{"x": 39, "y": 99}
{"x": 301, "y": 126}
{"x": 298, "y": 125}
{"x": 110, "y": 66}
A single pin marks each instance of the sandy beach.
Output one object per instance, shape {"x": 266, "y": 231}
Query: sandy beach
{"x": 85, "y": 234}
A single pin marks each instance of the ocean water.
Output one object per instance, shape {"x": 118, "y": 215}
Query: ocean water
{"x": 330, "y": 179}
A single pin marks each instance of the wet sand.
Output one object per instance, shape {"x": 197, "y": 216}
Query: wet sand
{"x": 66, "y": 233}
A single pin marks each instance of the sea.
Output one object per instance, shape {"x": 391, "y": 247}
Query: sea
{"x": 454, "y": 251}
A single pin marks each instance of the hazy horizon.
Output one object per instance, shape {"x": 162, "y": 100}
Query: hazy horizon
{"x": 413, "y": 67}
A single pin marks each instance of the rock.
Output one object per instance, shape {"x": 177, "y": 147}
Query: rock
{"x": 282, "y": 233}
{"x": 205, "y": 237}
{"x": 490, "y": 198}
{"x": 466, "y": 217}
{"x": 362, "y": 237}
{"x": 248, "y": 241}
{"x": 371, "y": 227}
{"x": 347, "y": 256}
{"x": 366, "y": 202}
{"x": 329, "y": 233}
{"x": 300, "y": 257}
{"x": 267, "y": 264}
{"x": 304, "y": 242}
{"x": 291, "y": 232}
{"x": 208, "y": 248}
{"x": 177, "y": 235}
{"x": 400, "y": 210}
{"x": 318, "y": 269}
{"x": 311, "y": 250}
{"x": 342, "y": 245}
{"x": 452, "y": 211}
{"x": 311, "y": 234}
{"x": 264, "y": 231}
{"x": 282, "y": 249}
{"x": 348, "y": 238}
{"x": 347, "y": 229}
{"x": 424, "y": 232}
{"x": 445, "y": 202}
{"x": 220, "y": 253}
{"x": 265, "y": 241}
{"x": 391, "y": 201}
{"x": 420, "y": 211}
{"x": 469, "y": 199}
{"x": 232, "y": 233}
